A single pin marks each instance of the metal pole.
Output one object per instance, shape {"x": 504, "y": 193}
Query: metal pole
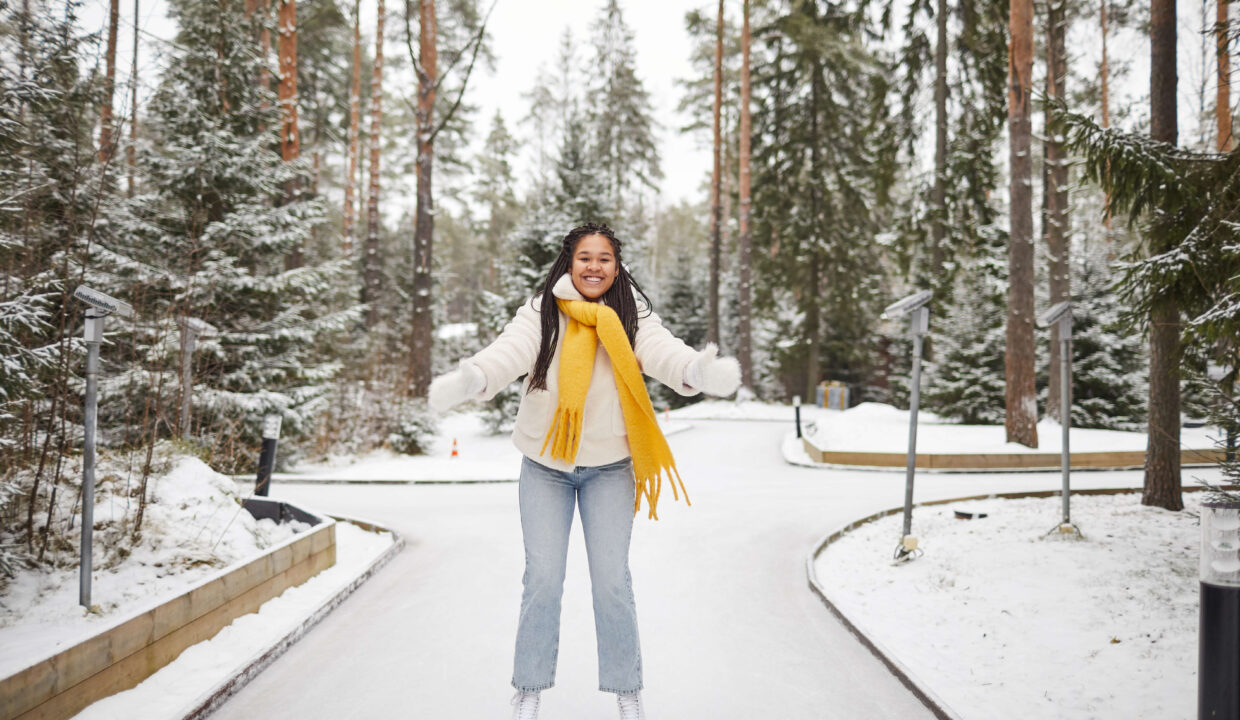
{"x": 1218, "y": 651}
{"x": 94, "y": 335}
{"x": 796, "y": 403}
{"x": 267, "y": 456}
{"x": 188, "y": 337}
{"x": 1065, "y": 404}
{"x": 914, "y": 403}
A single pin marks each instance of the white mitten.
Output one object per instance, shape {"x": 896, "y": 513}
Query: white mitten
{"x": 456, "y": 387}
{"x": 713, "y": 375}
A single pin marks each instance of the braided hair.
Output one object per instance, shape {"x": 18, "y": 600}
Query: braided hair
{"x": 619, "y": 297}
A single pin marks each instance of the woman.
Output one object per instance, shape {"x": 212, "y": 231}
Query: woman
{"x": 589, "y": 436}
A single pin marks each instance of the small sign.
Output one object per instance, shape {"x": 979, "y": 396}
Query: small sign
{"x": 271, "y": 427}
{"x": 103, "y": 301}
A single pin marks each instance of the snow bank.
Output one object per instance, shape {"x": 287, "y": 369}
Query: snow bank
{"x": 194, "y": 524}
{"x": 876, "y": 427}
{"x": 996, "y": 615}
{"x": 185, "y": 682}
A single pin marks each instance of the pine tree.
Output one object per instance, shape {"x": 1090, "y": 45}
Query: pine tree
{"x": 207, "y": 241}
{"x": 621, "y": 127}
{"x": 823, "y": 160}
{"x": 1108, "y": 361}
{"x": 966, "y": 380}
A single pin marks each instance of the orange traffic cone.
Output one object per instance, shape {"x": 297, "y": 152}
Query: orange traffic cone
{"x": 454, "y": 452}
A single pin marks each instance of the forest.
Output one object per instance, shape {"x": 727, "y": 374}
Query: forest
{"x": 862, "y": 151}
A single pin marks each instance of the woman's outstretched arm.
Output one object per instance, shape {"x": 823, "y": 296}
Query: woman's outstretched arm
{"x": 507, "y": 358}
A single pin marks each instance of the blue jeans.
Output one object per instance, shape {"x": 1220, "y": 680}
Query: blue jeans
{"x": 605, "y": 495}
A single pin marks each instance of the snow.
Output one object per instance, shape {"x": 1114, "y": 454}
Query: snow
{"x": 182, "y": 685}
{"x": 998, "y": 615}
{"x": 481, "y": 457}
{"x": 875, "y": 427}
{"x": 196, "y": 527}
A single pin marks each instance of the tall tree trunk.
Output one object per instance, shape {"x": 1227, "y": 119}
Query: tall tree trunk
{"x": 1222, "y": 106}
{"x": 286, "y": 46}
{"x": 1021, "y": 416}
{"x": 1162, "y": 457}
{"x": 373, "y": 273}
{"x": 744, "y": 341}
{"x": 938, "y": 222}
{"x": 286, "y": 92}
{"x": 106, "y": 141}
{"x": 355, "y": 112}
{"x": 264, "y": 45}
{"x": 716, "y": 176}
{"x": 1057, "y": 227}
{"x": 131, "y": 152}
{"x": 813, "y": 369}
{"x": 423, "y": 322}
{"x": 1105, "y": 72}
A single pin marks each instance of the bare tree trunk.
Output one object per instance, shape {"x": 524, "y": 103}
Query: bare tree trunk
{"x": 423, "y": 322}
{"x": 1162, "y": 458}
{"x": 938, "y": 223}
{"x": 1222, "y": 106}
{"x": 744, "y": 341}
{"x": 1105, "y": 72}
{"x": 286, "y": 92}
{"x": 106, "y": 142}
{"x": 373, "y": 273}
{"x": 131, "y": 152}
{"x": 1021, "y": 416}
{"x": 355, "y": 112}
{"x": 286, "y": 45}
{"x": 716, "y": 176}
{"x": 1057, "y": 228}
{"x": 264, "y": 44}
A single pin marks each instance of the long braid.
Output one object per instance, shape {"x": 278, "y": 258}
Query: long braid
{"x": 619, "y": 297}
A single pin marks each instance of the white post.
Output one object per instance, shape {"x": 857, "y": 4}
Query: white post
{"x": 94, "y": 335}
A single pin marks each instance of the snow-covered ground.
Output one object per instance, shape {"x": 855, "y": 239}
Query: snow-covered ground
{"x": 998, "y": 615}
{"x": 481, "y": 457}
{"x": 183, "y": 684}
{"x": 729, "y": 629}
{"x": 197, "y": 527}
{"x": 875, "y": 427}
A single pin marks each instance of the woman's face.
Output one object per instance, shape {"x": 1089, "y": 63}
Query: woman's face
{"x": 594, "y": 266}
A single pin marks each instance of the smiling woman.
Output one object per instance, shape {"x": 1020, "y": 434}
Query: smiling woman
{"x": 590, "y": 440}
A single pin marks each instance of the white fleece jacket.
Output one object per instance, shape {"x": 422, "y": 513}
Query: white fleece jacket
{"x": 604, "y": 438}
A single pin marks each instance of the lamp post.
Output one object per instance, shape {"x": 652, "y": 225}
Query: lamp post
{"x": 919, "y": 324}
{"x": 101, "y": 306}
{"x": 267, "y": 456}
{"x": 1060, "y": 315}
{"x": 1218, "y": 666}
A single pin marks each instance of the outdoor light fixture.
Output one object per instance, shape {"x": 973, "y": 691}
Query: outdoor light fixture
{"x": 1218, "y": 667}
{"x": 267, "y": 456}
{"x": 1060, "y": 315}
{"x": 919, "y": 324}
{"x": 101, "y": 306}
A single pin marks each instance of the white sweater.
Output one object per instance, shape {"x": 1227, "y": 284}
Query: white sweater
{"x": 604, "y": 438}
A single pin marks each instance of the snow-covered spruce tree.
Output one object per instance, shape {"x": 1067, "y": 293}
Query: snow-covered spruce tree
{"x": 966, "y": 382}
{"x": 824, "y": 152}
{"x": 1108, "y": 361}
{"x": 210, "y": 234}
{"x": 620, "y": 120}
{"x": 50, "y": 189}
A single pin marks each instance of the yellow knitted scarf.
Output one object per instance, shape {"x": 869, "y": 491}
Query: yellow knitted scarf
{"x": 588, "y": 323}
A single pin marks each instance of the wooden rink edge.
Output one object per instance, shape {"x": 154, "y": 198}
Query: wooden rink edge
{"x": 210, "y": 701}
{"x": 125, "y": 654}
{"x": 1114, "y": 459}
{"x": 918, "y": 687}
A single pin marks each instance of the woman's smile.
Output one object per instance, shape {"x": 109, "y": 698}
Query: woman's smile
{"x": 594, "y": 266}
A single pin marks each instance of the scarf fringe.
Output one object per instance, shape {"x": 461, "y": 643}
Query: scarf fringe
{"x": 652, "y": 485}
{"x": 565, "y": 434}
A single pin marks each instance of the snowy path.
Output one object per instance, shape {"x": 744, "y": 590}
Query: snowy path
{"x": 729, "y": 627}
